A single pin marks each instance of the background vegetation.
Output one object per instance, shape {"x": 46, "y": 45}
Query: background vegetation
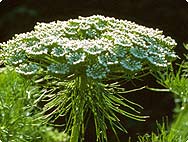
{"x": 17, "y": 110}
{"x": 177, "y": 83}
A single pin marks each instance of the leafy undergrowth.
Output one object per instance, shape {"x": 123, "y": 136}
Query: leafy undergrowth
{"x": 17, "y": 113}
{"x": 176, "y": 133}
{"x": 177, "y": 83}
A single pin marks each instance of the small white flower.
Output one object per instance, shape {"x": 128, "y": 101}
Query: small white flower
{"x": 58, "y": 51}
{"x": 131, "y": 64}
{"x": 37, "y": 50}
{"x": 97, "y": 71}
{"x": 122, "y": 41}
{"x": 158, "y": 61}
{"x": 49, "y": 40}
{"x": 16, "y": 58}
{"x": 27, "y": 69}
{"x": 84, "y": 25}
{"x": 108, "y": 59}
{"x": 118, "y": 51}
{"x": 139, "y": 52}
{"x": 58, "y": 68}
{"x": 94, "y": 48}
{"x": 75, "y": 58}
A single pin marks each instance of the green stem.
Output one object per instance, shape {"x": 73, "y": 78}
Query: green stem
{"x": 75, "y": 131}
{"x": 78, "y": 109}
{"x": 180, "y": 117}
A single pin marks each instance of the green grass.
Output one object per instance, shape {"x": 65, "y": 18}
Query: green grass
{"x": 176, "y": 133}
{"x": 17, "y": 112}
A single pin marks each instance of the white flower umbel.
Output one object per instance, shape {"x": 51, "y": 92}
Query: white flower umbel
{"x": 74, "y": 59}
{"x": 92, "y": 40}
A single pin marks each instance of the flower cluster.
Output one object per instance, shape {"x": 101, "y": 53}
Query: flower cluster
{"x": 91, "y": 46}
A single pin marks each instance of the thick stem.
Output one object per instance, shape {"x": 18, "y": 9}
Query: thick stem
{"x": 78, "y": 102}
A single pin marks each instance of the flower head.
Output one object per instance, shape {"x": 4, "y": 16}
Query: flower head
{"x": 89, "y": 46}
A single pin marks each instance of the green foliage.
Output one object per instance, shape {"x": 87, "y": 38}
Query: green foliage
{"x": 72, "y": 60}
{"x": 177, "y": 132}
{"x": 177, "y": 83}
{"x": 161, "y": 136}
{"x": 17, "y": 120}
{"x": 81, "y": 96}
{"x": 52, "y": 135}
